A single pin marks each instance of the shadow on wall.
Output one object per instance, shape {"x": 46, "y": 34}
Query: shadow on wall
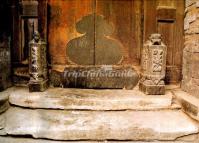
{"x": 95, "y": 47}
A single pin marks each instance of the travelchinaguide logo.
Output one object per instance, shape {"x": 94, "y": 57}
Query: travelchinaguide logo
{"x": 103, "y": 71}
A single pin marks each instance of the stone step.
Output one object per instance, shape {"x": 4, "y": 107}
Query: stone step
{"x": 165, "y": 125}
{"x": 89, "y": 99}
{"x": 189, "y": 103}
{"x": 30, "y": 140}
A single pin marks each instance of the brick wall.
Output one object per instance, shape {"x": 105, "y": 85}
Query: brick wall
{"x": 190, "y": 82}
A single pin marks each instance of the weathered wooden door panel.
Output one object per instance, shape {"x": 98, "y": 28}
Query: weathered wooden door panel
{"x": 95, "y": 32}
{"x": 166, "y": 17}
{"x": 166, "y": 29}
{"x": 63, "y": 16}
{"x": 125, "y": 16}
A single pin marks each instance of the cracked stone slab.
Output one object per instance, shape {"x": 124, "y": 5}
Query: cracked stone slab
{"x": 99, "y": 125}
{"x": 89, "y": 99}
{"x": 30, "y": 140}
{"x": 189, "y": 103}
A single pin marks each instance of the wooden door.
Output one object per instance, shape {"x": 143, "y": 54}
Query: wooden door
{"x": 166, "y": 17}
{"x": 95, "y": 32}
{"x": 128, "y": 23}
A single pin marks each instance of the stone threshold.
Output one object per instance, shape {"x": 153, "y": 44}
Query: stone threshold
{"x": 90, "y": 99}
{"x": 167, "y": 125}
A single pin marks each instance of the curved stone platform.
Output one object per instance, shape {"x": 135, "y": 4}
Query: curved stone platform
{"x": 99, "y": 125}
{"x": 89, "y": 99}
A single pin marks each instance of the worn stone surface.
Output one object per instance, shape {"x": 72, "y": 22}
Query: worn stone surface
{"x": 29, "y": 140}
{"x": 99, "y": 125}
{"x": 116, "y": 77}
{"x": 89, "y": 99}
{"x": 189, "y": 103}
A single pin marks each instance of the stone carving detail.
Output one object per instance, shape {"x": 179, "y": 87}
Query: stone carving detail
{"x": 38, "y": 64}
{"x": 153, "y": 64}
{"x": 157, "y": 60}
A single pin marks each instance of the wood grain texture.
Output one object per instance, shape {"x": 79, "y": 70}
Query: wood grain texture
{"x": 16, "y": 56}
{"x": 63, "y": 15}
{"x": 42, "y": 18}
{"x": 150, "y": 23}
{"x": 166, "y": 17}
{"x": 127, "y": 25}
{"x": 133, "y": 21}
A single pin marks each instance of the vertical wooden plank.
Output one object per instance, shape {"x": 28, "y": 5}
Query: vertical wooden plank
{"x": 179, "y": 33}
{"x": 42, "y": 18}
{"x": 167, "y": 31}
{"x": 16, "y": 56}
{"x": 127, "y": 25}
{"x": 139, "y": 26}
{"x": 176, "y": 69}
{"x": 150, "y": 23}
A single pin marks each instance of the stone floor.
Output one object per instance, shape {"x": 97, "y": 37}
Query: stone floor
{"x": 90, "y": 116}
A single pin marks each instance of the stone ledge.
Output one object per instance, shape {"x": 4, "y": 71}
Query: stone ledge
{"x": 89, "y": 99}
{"x": 100, "y": 125}
{"x": 189, "y": 103}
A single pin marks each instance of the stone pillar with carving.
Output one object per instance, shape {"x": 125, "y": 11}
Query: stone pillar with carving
{"x": 153, "y": 64}
{"x": 37, "y": 64}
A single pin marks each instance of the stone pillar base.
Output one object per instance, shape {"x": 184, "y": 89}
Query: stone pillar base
{"x": 152, "y": 89}
{"x": 38, "y": 86}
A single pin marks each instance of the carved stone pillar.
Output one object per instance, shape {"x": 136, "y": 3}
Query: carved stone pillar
{"x": 153, "y": 65}
{"x": 37, "y": 64}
